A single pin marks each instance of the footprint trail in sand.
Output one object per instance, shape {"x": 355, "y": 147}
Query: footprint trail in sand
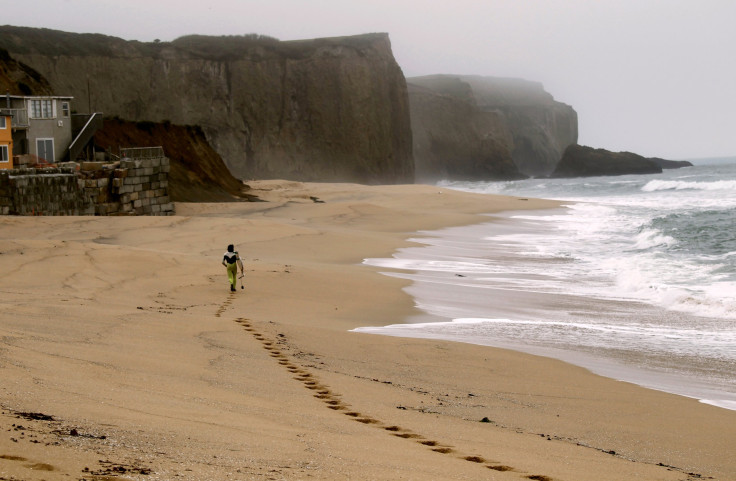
{"x": 334, "y": 401}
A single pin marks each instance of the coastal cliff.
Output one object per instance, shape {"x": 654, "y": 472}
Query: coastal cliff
{"x": 332, "y": 109}
{"x": 502, "y": 117}
{"x": 453, "y": 139}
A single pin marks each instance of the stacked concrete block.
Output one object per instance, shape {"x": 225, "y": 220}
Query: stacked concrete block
{"x": 143, "y": 185}
{"x": 6, "y": 193}
{"x": 130, "y": 187}
{"x": 94, "y": 181}
{"x": 40, "y": 192}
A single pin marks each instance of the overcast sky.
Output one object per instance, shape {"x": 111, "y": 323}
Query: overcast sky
{"x": 655, "y": 77}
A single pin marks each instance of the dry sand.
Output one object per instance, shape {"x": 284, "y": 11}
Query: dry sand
{"x": 124, "y": 356}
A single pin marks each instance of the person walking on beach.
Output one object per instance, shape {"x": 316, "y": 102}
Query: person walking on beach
{"x": 231, "y": 261}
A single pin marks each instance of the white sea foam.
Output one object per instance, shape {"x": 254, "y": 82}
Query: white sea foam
{"x": 657, "y": 185}
{"x": 649, "y": 238}
{"x": 653, "y": 337}
{"x": 716, "y": 300}
{"x": 721, "y": 403}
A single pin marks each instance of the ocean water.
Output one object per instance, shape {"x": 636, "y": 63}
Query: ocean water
{"x": 635, "y": 278}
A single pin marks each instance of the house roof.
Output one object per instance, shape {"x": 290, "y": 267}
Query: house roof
{"x": 39, "y": 97}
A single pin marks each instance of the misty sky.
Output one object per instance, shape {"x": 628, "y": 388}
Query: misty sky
{"x": 655, "y": 77}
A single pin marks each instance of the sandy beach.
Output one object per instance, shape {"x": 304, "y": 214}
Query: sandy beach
{"x": 123, "y": 355}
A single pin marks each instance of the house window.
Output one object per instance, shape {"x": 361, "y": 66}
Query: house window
{"x": 45, "y": 149}
{"x": 42, "y": 109}
{"x": 65, "y": 109}
{"x": 3, "y": 123}
{"x": 4, "y": 157}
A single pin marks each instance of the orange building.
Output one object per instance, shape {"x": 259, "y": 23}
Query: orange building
{"x": 6, "y": 141}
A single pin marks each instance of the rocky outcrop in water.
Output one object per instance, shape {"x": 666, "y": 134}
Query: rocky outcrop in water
{"x": 315, "y": 110}
{"x": 470, "y": 126}
{"x": 671, "y": 164}
{"x": 582, "y": 161}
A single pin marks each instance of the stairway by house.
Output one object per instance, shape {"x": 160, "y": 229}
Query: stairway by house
{"x": 87, "y": 125}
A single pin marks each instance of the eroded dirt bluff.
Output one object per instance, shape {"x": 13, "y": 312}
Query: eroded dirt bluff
{"x": 333, "y": 109}
{"x": 197, "y": 172}
{"x": 17, "y": 78}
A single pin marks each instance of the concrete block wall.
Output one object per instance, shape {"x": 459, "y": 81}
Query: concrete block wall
{"x": 143, "y": 186}
{"x": 49, "y": 191}
{"x": 128, "y": 187}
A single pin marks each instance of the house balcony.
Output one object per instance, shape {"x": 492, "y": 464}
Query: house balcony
{"x": 20, "y": 117}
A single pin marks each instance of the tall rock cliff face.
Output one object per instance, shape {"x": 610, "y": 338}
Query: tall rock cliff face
{"x": 455, "y": 140}
{"x": 518, "y": 117}
{"x": 315, "y": 110}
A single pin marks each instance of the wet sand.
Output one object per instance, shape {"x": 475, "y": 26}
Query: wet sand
{"x": 123, "y": 353}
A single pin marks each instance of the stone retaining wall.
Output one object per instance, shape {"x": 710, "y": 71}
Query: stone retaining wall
{"x": 40, "y": 192}
{"x": 128, "y": 187}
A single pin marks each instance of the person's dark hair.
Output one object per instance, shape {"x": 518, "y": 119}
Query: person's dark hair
{"x": 230, "y": 248}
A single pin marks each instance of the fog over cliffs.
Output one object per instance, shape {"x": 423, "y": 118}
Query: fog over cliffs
{"x": 473, "y": 127}
{"x": 333, "y": 109}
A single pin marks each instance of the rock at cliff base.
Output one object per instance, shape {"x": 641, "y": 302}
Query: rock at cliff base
{"x": 671, "y": 164}
{"x": 582, "y": 161}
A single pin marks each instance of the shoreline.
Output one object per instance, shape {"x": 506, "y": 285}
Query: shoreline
{"x": 143, "y": 359}
{"x": 444, "y": 266}
{"x": 646, "y": 379}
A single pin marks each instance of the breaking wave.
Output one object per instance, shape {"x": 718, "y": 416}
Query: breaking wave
{"x": 659, "y": 185}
